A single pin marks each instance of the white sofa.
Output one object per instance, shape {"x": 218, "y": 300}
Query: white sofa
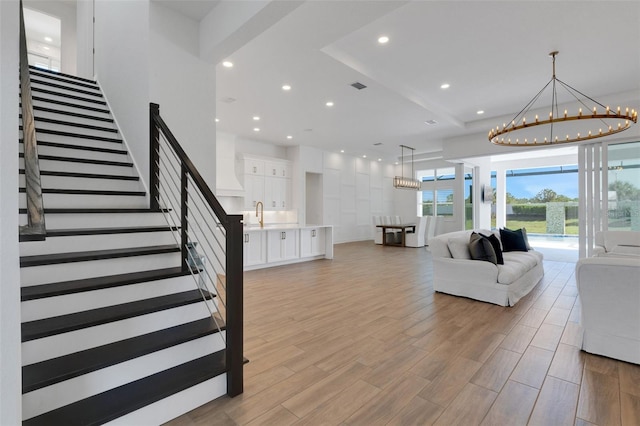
{"x": 454, "y": 272}
{"x": 608, "y": 243}
{"x": 609, "y": 291}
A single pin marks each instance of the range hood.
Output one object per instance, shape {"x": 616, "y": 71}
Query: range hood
{"x": 227, "y": 184}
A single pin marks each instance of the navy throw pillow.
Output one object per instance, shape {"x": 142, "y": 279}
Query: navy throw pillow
{"x": 513, "y": 240}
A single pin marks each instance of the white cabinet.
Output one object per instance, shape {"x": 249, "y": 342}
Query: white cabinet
{"x": 269, "y": 181}
{"x": 276, "y": 193}
{"x": 282, "y": 245}
{"x": 253, "y": 191}
{"x": 279, "y": 169}
{"x": 312, "y": 242}
{"x": 254, "y": 250}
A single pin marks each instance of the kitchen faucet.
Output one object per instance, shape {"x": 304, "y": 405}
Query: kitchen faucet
{"x": 260, "y": 206}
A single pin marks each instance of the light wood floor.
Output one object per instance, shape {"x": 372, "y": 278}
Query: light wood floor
{"x": 363, "y": 340}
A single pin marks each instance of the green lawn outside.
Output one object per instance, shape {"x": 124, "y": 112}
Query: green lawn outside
{"x": 538, "y": 226}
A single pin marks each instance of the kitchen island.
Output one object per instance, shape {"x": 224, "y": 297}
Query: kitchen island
{"x": 282, "y": 244}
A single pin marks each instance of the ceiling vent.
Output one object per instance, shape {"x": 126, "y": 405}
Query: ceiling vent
{"x": 358, "y": 85}
{"x": 431, "y": 122}
{"x": 227, "y": 100}
{"x": 377, "y": 144}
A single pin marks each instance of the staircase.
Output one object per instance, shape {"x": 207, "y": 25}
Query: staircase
{"x": 113, "y": 327}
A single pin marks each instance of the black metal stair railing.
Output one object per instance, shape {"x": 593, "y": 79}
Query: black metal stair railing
{"x": 35, "y": 228}
{"x": 210, "y": 239}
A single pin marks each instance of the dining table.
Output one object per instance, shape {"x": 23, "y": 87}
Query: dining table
{"x": 403, "y": 227}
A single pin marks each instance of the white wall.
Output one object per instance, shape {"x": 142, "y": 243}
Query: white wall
{"x": 122, "y": 69}
{"x": 84, "y": 41}
{"x": 66, "y": 12}
{"x": 184, "y": 86}
{"x": 10, "y": 363}
{"x": 354, "y": 190}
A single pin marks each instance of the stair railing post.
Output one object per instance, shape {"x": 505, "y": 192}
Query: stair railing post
{"x": 184, "y": 231}
{"x": 154, "y": 171}
{"x": 235, "y": 309}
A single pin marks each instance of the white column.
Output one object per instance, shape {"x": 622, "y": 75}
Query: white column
{"x": 501, "y": 198}
{"x": 10, "y": 362}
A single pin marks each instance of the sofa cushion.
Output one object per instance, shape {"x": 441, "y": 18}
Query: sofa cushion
{"x": 626, "y": 249}
{"x": 480, "y": 248}
{"x": 513, "y": 240}
{"x": 528, "y": 259}
{"x": 459, "y": 248}
{"x": 511, "y": 271}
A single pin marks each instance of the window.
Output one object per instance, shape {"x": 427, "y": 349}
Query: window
{"x": 468, "y": 198}
{"x": 437, "y": 194}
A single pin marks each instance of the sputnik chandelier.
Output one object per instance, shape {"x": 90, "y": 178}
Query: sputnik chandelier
{"x": 561, "y": 128}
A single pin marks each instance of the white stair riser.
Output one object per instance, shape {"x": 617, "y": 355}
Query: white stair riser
{"x": 46, "y": 104}
{"x": 96, "y": 242}
{"x": 70, "y": 100}
{"x": 43, "y": 125}
{"x": 96, "y": 268}
{"x": 80, "y": 153}
{"x": 68, "y": 166}
{"x": 65, "y": 117}
{"x": 100, "y": 220}
{"x": 32, "y": 310}
{"x": 67, "y": 89}
{"x": 60, "y": 394}
{"x": 91, "y": 337}
{"x": 176, "y": 405}
{"x": 86, "y": 183}
{"x": 56, "y": 201}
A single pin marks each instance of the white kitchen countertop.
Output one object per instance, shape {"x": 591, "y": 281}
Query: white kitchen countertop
{"x": 281, "y": 226}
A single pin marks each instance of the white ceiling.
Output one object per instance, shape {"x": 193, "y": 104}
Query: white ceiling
{"x": 494, "y": 54}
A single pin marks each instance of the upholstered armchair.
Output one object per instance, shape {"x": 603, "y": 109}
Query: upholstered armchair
{"x": 609, "y": 291}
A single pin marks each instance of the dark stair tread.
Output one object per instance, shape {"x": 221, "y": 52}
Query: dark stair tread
{"x": 70, "y": 104}
{"x": 84, "y": 175}
{"x": 51, "y": 77}
{"x": 77, "y": 135}
{"x": 97, "y": 283}
{"x": 80, "y": 147}
{"x": 82, "y": 160}
{"x": 68, "y": 96}
{"x": 37, "y": 80}
{"x": 125, "y": 399}
{"x": 74, "y": 124}
{"x": 89, "y": 192}
{"x": 81, "y": 210}
{"x": 85, "y": 256}
{"x": 65, "y": 323}
{"x": 72, "y": 114}
{"x": 51, "y": 371}
{"x": 58, "y": 73}
{"x": 106, "y": 231}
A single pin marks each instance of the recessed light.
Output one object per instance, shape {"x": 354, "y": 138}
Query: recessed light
{"x": 289, "y": 137}
{"x": 48, "y": 39}
{"x": 397, "y": 163}
{"x": 45, "y": 47}
{"x": 379, "y": 159}
{"x": 480, "y": 112}
{"x": 445, "y": 86}
{"x": 256, "y": 118}
{"x": 217, "y": 120}
{"x": 364, "y": 156}
{"x": 383, "y": 39}
{"x": 227, "y": 64}
{"x": 329, "y": 104}
{"x": 256, "y": 129}
{"x": 286, "y": 87}
{"x": 430, "y": 122}
{"x": 342, "y": 151}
